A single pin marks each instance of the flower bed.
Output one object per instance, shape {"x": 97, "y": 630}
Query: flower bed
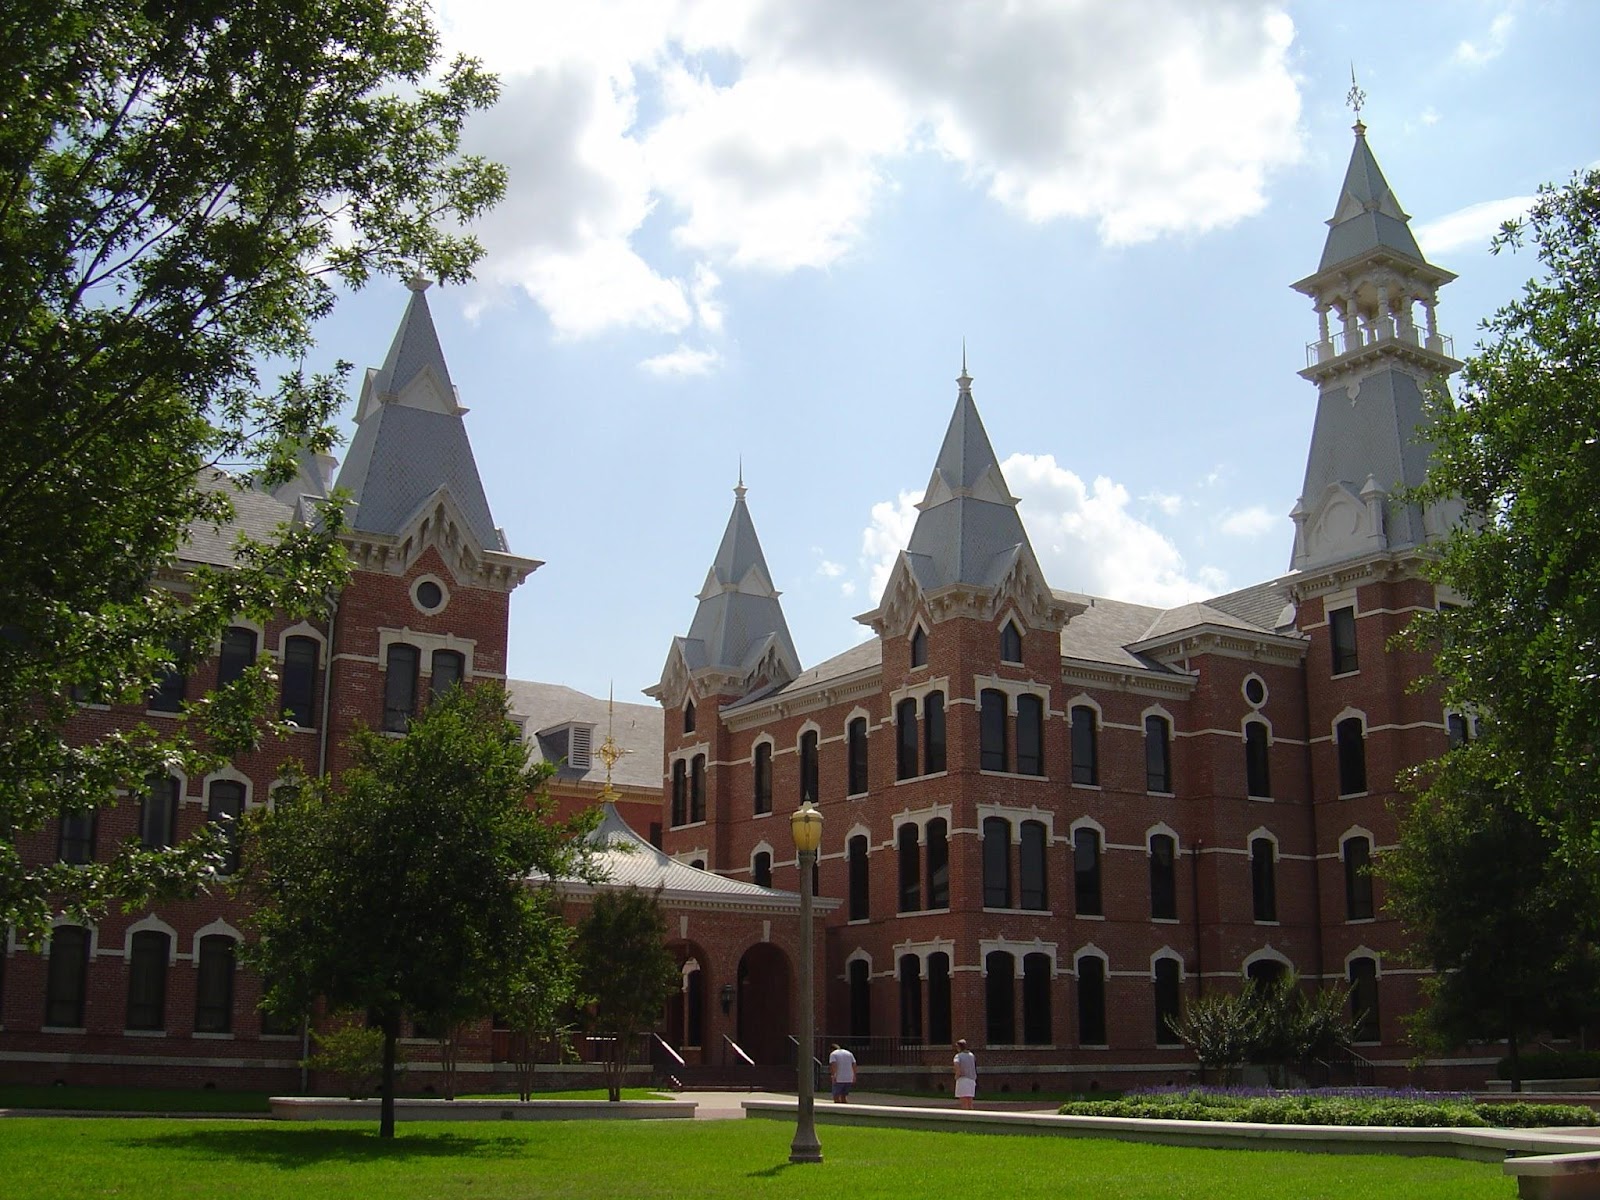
{"x": 1330, "y": 1106}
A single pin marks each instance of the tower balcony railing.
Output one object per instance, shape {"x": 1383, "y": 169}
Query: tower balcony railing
{"x": 1340, "y": 341}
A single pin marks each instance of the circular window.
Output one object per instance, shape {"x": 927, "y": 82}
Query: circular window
{"x": 1255, "y": 691}
{"x": 428, "y": 595}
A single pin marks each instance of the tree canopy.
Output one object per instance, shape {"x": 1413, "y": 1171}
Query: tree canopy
{"x": 182, "y": 189}
{"x": 625, "y": 972}
{"x": 403, "y": 887}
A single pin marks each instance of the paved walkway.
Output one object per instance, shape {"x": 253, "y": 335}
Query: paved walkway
{"x": 729, "y": 1105}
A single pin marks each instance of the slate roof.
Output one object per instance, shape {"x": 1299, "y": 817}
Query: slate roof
{"x": 1261, "y": 604}
{"x": 255, "y": 514}
{"x": 636, "y": 728}
{"x": 1368, "y": 216}
{"x": 1105, "y": 629}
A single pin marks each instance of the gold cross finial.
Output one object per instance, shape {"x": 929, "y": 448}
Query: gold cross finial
{"x": 609, "y": 751}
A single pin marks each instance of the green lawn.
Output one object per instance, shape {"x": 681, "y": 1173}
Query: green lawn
{"x": 47, "y": 1158}
{"x": 127, "y": 1099}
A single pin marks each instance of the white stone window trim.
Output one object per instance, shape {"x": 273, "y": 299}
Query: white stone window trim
{"x": 763, "y": 846}
{"x": 1364, "y": 951}
{"x": 426, "y": 644}
{"x": 240, "y": 622}
{"x": 923, "y": 951}
{"x": 1087, "y": 822}
{"x": 858, "y": 830}
{"x": 1162, "y": 829}
{"x": 1267, "y": 953}
{"x": 150, "y": 923}
{"x": 1010, "y": 616}
{"x": 63, "y": 921}
{"x": 1356, "y": 831}
{"x": 1266, "y": 692}
{"x": 1167, "y": 953}
{"x": 300, "y": 629}
{"x": 918, "y": 692}
{"x": 1261, "y": 831}
{"x": 1018, "y": 951}
{"x": 920, "y": 819}
{"x": 1016, "y": 816}
{"x": 217, "y": 927}
{"x": 444, "y": 594}
{"x": 859, "y": 954}
{"x": 1090, "y": 950}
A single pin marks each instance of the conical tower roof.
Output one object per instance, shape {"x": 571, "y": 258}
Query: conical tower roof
{"x": 1367, "y": 217}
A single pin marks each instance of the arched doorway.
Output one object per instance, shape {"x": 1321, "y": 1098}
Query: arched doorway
{"x": 765, "y": 1009}
{"x": 686, "y": 1009}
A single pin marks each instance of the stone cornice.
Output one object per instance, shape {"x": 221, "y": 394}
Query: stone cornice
{"x": 1225, "y": 641}
{"x": 1388, "y": 567}
{"x": 1079, "y": 672}
{"x": 813, "y": 697}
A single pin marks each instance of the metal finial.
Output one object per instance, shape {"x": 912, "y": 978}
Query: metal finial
{"x": 609, "y": 751}
{"x": 739, "y": 489}
{"x": 964, "y": 379}
{"x": 418, "y": 282}
{"x": 1356, "y": 97}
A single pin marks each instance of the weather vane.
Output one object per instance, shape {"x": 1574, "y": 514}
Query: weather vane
{"x": 1357, "y": 97}
{"x": 610, "y": 752}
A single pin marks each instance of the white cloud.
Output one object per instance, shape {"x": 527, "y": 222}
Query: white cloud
{"x": 1167, "y": 503}
{"x": 708, "y": 309}
{"x": 1249, "y": 522}
{"x": 887, "y": 535}
{"x": 829, "y": 570}
{"x": 1493, "y": 44}
{"x": 683, "y": 361}
{"x": 1470, "y": 227}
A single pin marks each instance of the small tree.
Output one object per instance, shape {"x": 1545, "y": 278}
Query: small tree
{"x": 1220, "y": 1030}
{"x": 538, "y": 983}
{"x": 353, "y": 1051}
{"x": 625, "y": 972}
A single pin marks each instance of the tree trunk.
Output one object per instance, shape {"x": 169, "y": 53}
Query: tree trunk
{"x": 1512, "y": 1052}
{"x": 391, "y": 1030}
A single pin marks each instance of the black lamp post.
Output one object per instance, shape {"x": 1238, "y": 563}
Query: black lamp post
{"x": 806, "y": 825}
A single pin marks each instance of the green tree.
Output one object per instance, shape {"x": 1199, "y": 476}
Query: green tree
{"x": 1220, "y": 1030}
{"x": 1506, "y": 925}
{"x": 625, "y": 972}
{"x": 182, "y": 187}
{"x": 405, "y": 888}
{"x": 1520, "y": 447}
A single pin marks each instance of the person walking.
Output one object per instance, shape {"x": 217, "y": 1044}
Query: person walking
{"x": 965, "y": 1069}
{"x": 841, "y": 1073}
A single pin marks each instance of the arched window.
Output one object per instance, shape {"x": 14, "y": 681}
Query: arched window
{"x": 938, "y": 856}
{"x": 992, "y": 730}
{"x": 1364, "y": 998}
{"x": 213, "y": 1004}
{"x": 905, "y": 745}
{"x": 1460, "y": 729}
{"x": 447, "y": 670}
{"x": 680, "y": 792}
{"x": 158, "y": 814}
{"x": 1263, "y": 880}
{"x": 939, "y": 999}
{"x": 1163, "y": 878}
{"x": 1033, "y": 889}
{"x": 859, "y": 903}
{"x": 147, "y": 980}
{"x": 1264, "y": 973}
{"x": 694, "y": 1006}
{"x": 761, "y": 869}
{"x": 1000, "y": 1000}
{"x": 400, "y": 687}
{"x": 1351, "y": 736}
{"x": 1085, "y": 748}
{"x": 688, "y": 716}
{"x": 905, "y": 840}
{"x": 856, "y": 744}
{"x": 237, "y": 655}
{"x": 910, "y": 999}
{"x": 1086, "y": 872}
{"x": 1010, "y": 643}
{"x": 860, "y": 999}
{"x": 808, "y": 766}
{"x": 1157, "y": 754}
{"x": 697, "y": 788}
{"x": 1357, "y": 879}
{"x": 996, "y": 862}
{"x": 933, "y": 733}
{"x": 1091, "y": 1001}
{"x": 299, "y": 698}
{"x": 1257, "y": 773}
{"x": 1030, "y": 735}
{"x": 66, "y": 980}
{"x": 1036, "y": 1024}
{"x": 919, "y": 647}
{"x": 1167, "y": 1001}
{"x": 224, "y": 807}
{"x": 763, "y": 780}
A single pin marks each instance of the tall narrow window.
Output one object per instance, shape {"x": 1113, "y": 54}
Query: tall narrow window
{"x": 697, "y": 789}
{"x": 1351, "y": 737}
{"x": 856, "y": 754}
{"x": 238, "y": 654}
{"x": 1167, "y": 1001}
{"x": 992, "y": 730}
{"x": 939, "y": 999}
{"x": 1085, "y": 751}
{"x": 906, "y": 848}
{"x": 808, "y": 766}
{"x": 213, "y": 1004}
{"x": 1010, "y": 643}
{"x": 158, "y": 813}
{"x": 448, "y": 668}
{"x": 1036, "y": 1027}
{"x": 860, "y": 999}
{"x": 1342, "y": 633}
{"x": 1086, "y": 872}
{"x": 933, "y": 733}
{"x": 169, "y": 690}
{"x": 859, "y": 894}
{"x": 688, "y": 716}
{"x": 905, "y": 744}
{"x": 77, "y": 836}
{"x": 1163, "y": 878}
{"x": 919, "y": 647}
{"x": 1364, "y": 998}
{"x": 1030, "y": 735}
{"x": 1033, "y": 889}
{"x": 67, "y": 978}
{"x": 147, "y": 980}
{"x": 299, "y": 699}
{"x": 1357, "y": 879}
{"x": 938, "y": 856}
{"x": 1460, "y": 732}
{"x": 996, "y": 862}
{"x": 910, "y": 998}
{"x": 680, "y": 792}
{"x": 762, "y": 801}
{"x": 1257, "y": 774}
{"x": 224, "y": 807}
{"x": 761, "y": 869}
{"x": 1157, "y": 754}
{"x": 400, "y": 687}
{"x": 1000, "y": 998}
{"x": 1263, "y": 880}
{"x": 1091, "y": 1001}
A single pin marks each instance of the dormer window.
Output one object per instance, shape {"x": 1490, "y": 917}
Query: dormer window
{"x": 571, "y": 744}
{"x": 1010, "y": 643}
{"x": 919, "y": 647}
{"x": 688, "y": 716}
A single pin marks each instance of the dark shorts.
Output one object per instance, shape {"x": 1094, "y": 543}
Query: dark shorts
{"x": 841, "y": 1090}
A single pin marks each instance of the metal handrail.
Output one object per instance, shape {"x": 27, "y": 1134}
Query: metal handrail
{"x": 739, "y": 1050}
{"x": 663, "y": 1045}
{"x": 1338, "y": 342}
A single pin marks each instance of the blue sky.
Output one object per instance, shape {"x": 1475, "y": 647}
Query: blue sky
{"x": 760, "y": 232}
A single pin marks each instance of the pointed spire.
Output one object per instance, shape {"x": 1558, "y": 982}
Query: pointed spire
{"x": 739, "y": 489}
{"x": 1367, "y": 216}
{"x": 964, "y": 380}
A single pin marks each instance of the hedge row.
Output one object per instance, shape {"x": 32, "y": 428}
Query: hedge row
{"x": 1308, "y": 1109}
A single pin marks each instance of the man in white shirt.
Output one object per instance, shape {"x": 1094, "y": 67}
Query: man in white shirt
{"x": 841, "y": 1072}
{"x": 965, "y": 1069}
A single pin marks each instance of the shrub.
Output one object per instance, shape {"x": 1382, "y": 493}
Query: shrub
{"x": 1573, "y": 1064}
{"x": 355, "y": 1054}
{"x": 1332, "y": 1107}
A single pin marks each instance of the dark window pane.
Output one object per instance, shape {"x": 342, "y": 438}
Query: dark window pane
{"x": 1263, "y": 880}
{"x": 169, "y": 692}
{"x": 905, "y": 757}
{"x": 999, "y": 992}
{"x": 939, "y": 999}
{"x": 213, "y": 1006}
{"x": 933, "y": 733}
{"x": 1364, "y": 999}
{"x": 996, "y": 862}
{"x": 1086, "y": 872}
{"x": 1460, "y": 731}
{"x": 919, "y": 648}
{"x": 763, "y": 782}
{"x": 762, "y": 871}
{"x": 1085, "y": 751}
{"x": 1163, "y": 878}
{"x": 856, "y": 783}
{"x": 1257, "y": 776}
{"x": 400, "y": 687}
{"x": 1167, "y": 1001}
{"x": 860, "y": 999}
{"x": 1352, "y": 756}
{"x": 158, "y": 814}
{"x": 77, "y": 837}
{"x": 1034, "y": 889}
{"x": 680, "y": 792}
{"x": 688, "y": 717}
{"x": 1342, "y": 631}
{"x": 67, "y": 977}
{"x": 1358, "y": 879}
{"x": 224, "y": 807}
{"x": 808, "y": 766}
{"x": 1157, "y": 755}
{"x": 992, "y": 730}
{"x": 300, "y": 681}
{"x": 1091, "y": 1001}
{"x": 238, "y": 653}
{"x": 859, "y": 892}
{"x": 1010, "y": 643}
{"x": 910, "y": 868}
{"x": 938, "y": 855}
{"x": 1030, "y": 735}
{"x": 448, "y": 668}
{"x": 1036, "y": 1025}
{"x": 697, "y": 789}
{"x": 147, "y": 980}
{"x": 910, "y": 998}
